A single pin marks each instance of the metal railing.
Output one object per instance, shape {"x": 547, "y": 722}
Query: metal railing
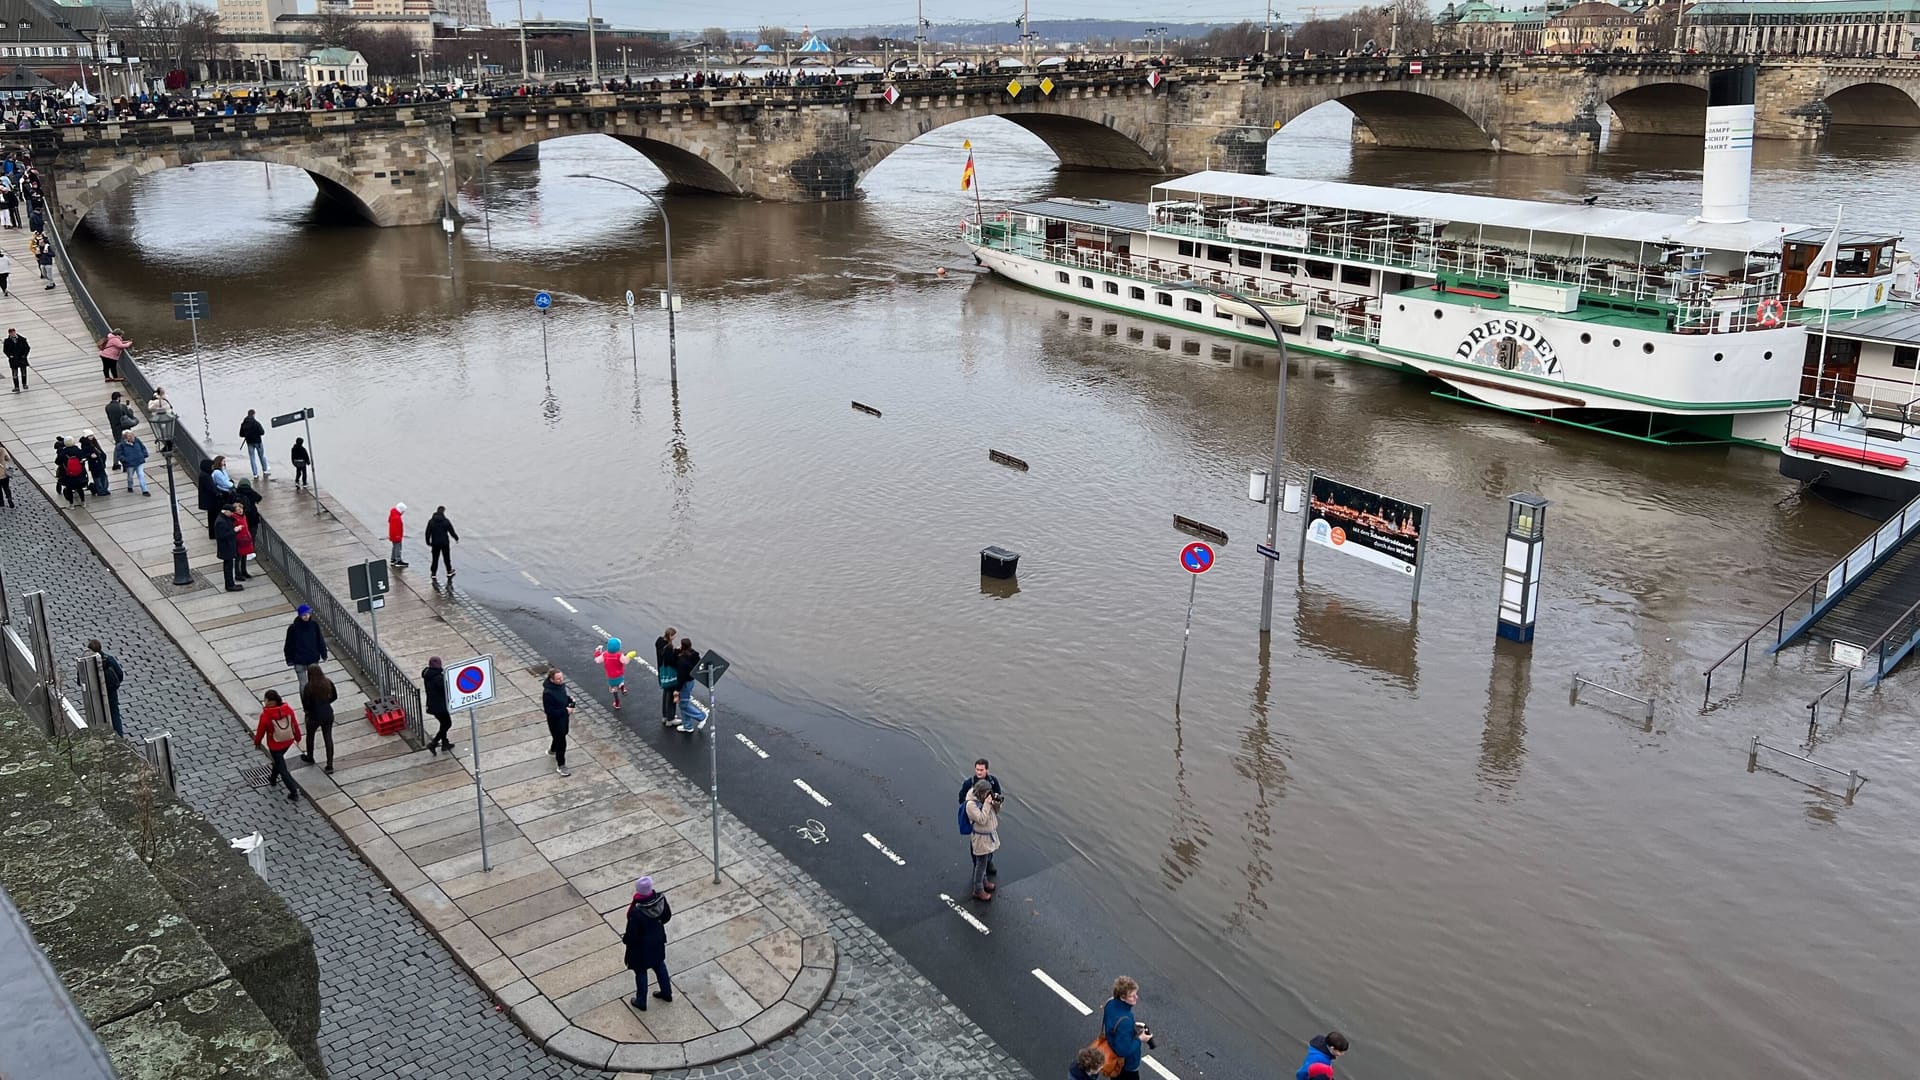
{"x": 1813, "y": 707}
{"x": 1893, "y": 646}
{"x": 1855, "y": 778}
{"x": 1828, "y": 587}
{"x": 351, "y": 640}
{"x": 1579, "y": 680}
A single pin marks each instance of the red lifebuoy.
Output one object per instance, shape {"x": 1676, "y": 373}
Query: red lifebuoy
{"x": 1771, "y": 313}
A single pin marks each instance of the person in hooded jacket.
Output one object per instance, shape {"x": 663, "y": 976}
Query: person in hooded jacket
{"x": 281, "y": 730}
{"x": 397, "y": 531}
{"x": 557, "y": 703}
{"x": 70, "y": 479}
{"x": 433, "y": 681}
{"x": 96, "y": 462}
{"x": 211, "y": 501}
{"x": 317, "y": 697}
{"x": 441, "y": 537}
{"x": 1322, "y": 1051}
{"x": 646, "y": 941}
{"x": 305, "y": 646}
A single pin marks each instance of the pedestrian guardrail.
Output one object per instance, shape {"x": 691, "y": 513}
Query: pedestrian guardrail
{"x": 1813, "y": 707}
{"x": 1579, "y": 680}
{"x": 351, "y": 640}
{"x": 1855, "y": 778}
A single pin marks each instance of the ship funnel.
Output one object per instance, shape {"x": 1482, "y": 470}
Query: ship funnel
{"x": 1726, "y": 171}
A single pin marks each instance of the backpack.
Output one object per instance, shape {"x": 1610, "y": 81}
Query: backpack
{"x": 669, "y": 677}
{"x": 282, "y": 730}
{"x": 75, "y": 466}
{"x": 966, "y": 823}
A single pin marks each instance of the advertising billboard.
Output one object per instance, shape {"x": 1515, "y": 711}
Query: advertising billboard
{"x": 1366, "y": 525}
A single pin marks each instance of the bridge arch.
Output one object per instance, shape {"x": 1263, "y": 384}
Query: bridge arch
{"x": 1872, "y": 104}
{"x": 1083, "y": 135}
{"x": 683, "y": 166}
{"x": 335, "y": 183}
{"x": 1661, "y": 108}
{"x": 1402, "y": 118}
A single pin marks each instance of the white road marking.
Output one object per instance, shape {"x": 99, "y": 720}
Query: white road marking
{"x": 501, "y": 554}
{"x": 817, "y": 797}
{"x": 1063, "y": 992}
{"x": 884, "y": 849}
{"x": 570, "y": 608}
{"x": 530, "y": 578}
{"x": 1148, "y": 1061}
{"x": 751, "y": 745}
{"x": 601, "y": 630}
{"x": 965, "y": 914}
{"x": 813, "y": 830}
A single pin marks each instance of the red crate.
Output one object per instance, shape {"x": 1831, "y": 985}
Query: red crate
{"x": 387, "y": 717}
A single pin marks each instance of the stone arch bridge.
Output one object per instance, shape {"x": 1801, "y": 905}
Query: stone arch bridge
{"x": 817, "y": 142}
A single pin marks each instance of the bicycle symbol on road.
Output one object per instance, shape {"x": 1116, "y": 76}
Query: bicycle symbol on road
{"x": 813, "y": 831}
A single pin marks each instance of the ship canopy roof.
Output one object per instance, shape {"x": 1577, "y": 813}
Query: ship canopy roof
{"x": 1457, "y": 209}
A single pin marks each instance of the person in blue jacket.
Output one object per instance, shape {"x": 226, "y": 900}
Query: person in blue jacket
{"x": 1122, "y": 1033}
{"x": 1321, "y": 1052}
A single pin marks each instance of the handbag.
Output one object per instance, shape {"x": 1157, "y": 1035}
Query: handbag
{"x": 1110, "y": 1062}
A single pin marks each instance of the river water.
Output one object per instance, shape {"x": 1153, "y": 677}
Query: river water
{"x": 1384, "y": 822}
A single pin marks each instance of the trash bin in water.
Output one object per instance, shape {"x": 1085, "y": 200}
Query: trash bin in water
{"x": 998, "y": 562}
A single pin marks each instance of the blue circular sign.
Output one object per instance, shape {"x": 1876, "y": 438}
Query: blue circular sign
{"x": 470, "y": 679}
{"x": 542, "y": 300}
{"x": 1197, "y": 558}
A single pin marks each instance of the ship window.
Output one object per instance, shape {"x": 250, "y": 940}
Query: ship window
{"x": 1356, "y": 275}
{"x": 1163, "y": 299}
{"x": 1321, "y": 270}
{"x": 1616, "y": 343}
{"x": 1323, "y": 332}
{"x": 1134, "y": 333}
{"x": 1438, "y": 314}
{"x": 1227, "y": 315}
{"x": 1586, "y": 339}
{"x": 1135, "y": 292}
{"x": 1769, "y": 355}
{"x": 1647, "y": 348}
{"x": 1186, "y": 247}
{"x": 1086, "y": 282}
{"x": 1108, "y": 329}
{"x": 1192, "y": 304}
{"x": 1255, "y": 322}
{"x": 1717, "y": 357}
{"x": 1906, "y": 356}
{"x": 1086, "y": 322}
{"x": 1061, "y": 276}
{"x": 1113, "y": 288}
{"x": 1250, "y": 258}
{"x": 1190, "y": 347}
{"x": 1216, "y": 253}
{"x": 1283, "y": 264}
{"x": 1162, "y": 341}
{"x": 1221, "y": 352}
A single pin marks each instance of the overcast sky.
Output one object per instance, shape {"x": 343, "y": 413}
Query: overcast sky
{"x": 793, "y": 14}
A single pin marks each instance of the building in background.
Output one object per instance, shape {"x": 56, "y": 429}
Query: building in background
{"x": 118, "y": 11}
{"x": 1592, "y": 27}
{"x": 1804, "y": 27}
{"x": 333, "y": 65}
{"x": 252, "y": 16}
{"x": 1478, "y": 26}
{"x": 450, "y": 13}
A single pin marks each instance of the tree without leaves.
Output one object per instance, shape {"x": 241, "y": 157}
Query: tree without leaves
{"x": 336, "y": 26}
{"x": 715, "y": 36}
{"x": 774, "y": 35}
{"x": 389, "y": 52}
{"x": 173, "y": 33}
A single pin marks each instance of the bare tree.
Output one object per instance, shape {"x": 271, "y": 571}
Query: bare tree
{"x": 337, "y": 26}
{"x": 716, "y": 37}
{"x": 774, "y": 35}
{"x": 389, "y": 52}
{"x": 173, "y": 32}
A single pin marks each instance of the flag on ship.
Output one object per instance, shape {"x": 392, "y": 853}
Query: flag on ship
{"x": 966, "y": 174}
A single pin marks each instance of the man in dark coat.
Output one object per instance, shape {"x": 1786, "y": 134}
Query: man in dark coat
{"x": 646, "y": 941}
{"x": 16, "y": 348}
{"x": 227, "y": 546}
{"x": 113, "y": 675}
{"x": 305, "y": 644}
{"x": 981, "y": 771}
{"x": 433, "y": 685}
{"x": 558, "y": 705}
{"x": 440, "y": 539}
{"x": 96, "y": 462}
{"x": 255, "y": 437}
{"x": 212, "y": 503}
{"x": 120, "y": 417}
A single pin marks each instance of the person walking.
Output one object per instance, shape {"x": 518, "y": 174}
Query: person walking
{"x": 984, "y": 816}
{"x": 1322, "y": 1052}
{"x": 96, "y": 462}
{"x": 42, "y": 250}
{"x": 317, "y": 696}
{"x": 6, "y": 271}
{"x": 668, "y": 676}
{"x": 1123, "y": 1033}
{"x": 646, "y": 940}
{"x": 614, "y": 663}
{"x": 226, "y": 544}
{"x": 301, "y": 459}
{"x": 17, "y": 347}
{"x": 981, "y": 772}
{"x": 441, "y": 537}
{"x": 111, "y": 674}
{"x": 306, "y": 646}
{"x": 112, "y": 348}
{"x": 255, "y": 437}
{"x": 120, "y": 417}
{"x": 131, "y": 456}
{"x": 6, "y": 477}
{"x": 281, "y": 730}
{"x": 433, "y": 680}
{"x": 558, "y": 704}
{"x": 397, "y": 531}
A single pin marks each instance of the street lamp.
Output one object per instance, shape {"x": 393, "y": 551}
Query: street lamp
{"x": 420, "y": 62}
{"x": 446, "y": 209}
{"x": 673, "y": 358}
{"x": 1292, "y": 314}
{"x": 164, "y": 426}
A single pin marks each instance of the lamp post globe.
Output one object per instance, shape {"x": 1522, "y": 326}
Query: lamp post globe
{"x": 165, "y": 426}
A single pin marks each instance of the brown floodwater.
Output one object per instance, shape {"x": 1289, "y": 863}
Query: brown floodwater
{"x": 1381, "y": 821}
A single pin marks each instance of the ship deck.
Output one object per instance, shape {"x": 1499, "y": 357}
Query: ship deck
{"x": 1623, "y": 313}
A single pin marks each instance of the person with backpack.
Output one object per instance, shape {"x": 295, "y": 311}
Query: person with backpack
{"x": 281, "y": 730}
{"x": 316, "y": 698}
{"x": 69, "y": 471}
{"x": 17, "y": 347}
{"x": 441, "y": 537}
{"x": 131, "y": 456}
{"x": 111, "y": 674}
{"x": 112, "y": 348}
{"x": 96, "y": 462}
{"x": 983, "y": 816}
{"x": 646, "y": 941}
{"x": 433, "y": 680}
{"x": 981, "y": 772}
{"x": 255, "y": 437}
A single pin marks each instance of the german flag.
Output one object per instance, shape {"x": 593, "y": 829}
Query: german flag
{"x": 966, "y": 174}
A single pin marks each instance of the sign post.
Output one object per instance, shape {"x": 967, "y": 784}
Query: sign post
{"x": 633, "y": 332}
{"x": 313, "y": 470}
{"x": 707, "y": 673}
{"x": 543, "y": 300}
{"x": 471, "y": 687}
{"x": 1195, "y": 559}
{"x": 191, "y": 307}
{"x": 1367, "y": 525}
{"x": 367, "y": 584}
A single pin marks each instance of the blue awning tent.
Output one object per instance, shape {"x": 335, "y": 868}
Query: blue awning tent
{"x": 815, "y": 45}
{"x": 764, "y": 49}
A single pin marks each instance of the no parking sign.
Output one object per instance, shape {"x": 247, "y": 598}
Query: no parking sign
{"x": 471, "y": 683}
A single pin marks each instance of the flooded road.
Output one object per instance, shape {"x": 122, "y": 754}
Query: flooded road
{"x": 1380, "y": 822}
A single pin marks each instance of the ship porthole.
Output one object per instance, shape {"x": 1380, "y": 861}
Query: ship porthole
{"x": 1586, "y": 339}
{"x": 1403, "y": 307}
{"x": 1647, "y": 348}
{"x": 1616, "y": 343}
{"x": 1768, "y": 356}
{"x": 1717, "y": 357}
{"x": 1438, "y": 314}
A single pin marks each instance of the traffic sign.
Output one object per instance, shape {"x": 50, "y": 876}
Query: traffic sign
{"x": 892, "y": 94}
{"x": 188, "y": 306}
{"x": 472, "y": 683}
{"x": 367, "y": 579}
{"x": 542, "y": 300}
{"x": 1267, "y": 551}
{"x": 1414, "y": 67}
{"x": 629, "y": 301}
{"x": 710, "y": 668}
{"x": 293, "y": 417}
{"x": 1196, "y": 558}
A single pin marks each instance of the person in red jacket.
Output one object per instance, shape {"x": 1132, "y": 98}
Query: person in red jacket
{"x": 281, "y": 730}
{"x": 397, "y": 531}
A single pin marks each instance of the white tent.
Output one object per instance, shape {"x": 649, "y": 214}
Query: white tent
{"x": 78, "y": 95}
{"x": 1053, "y": 61}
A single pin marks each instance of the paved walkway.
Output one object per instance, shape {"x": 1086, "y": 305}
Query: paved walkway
{"x": 539, "y": 931}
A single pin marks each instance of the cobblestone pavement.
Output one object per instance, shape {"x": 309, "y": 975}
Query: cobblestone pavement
{"x": 396, "y": 1004}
